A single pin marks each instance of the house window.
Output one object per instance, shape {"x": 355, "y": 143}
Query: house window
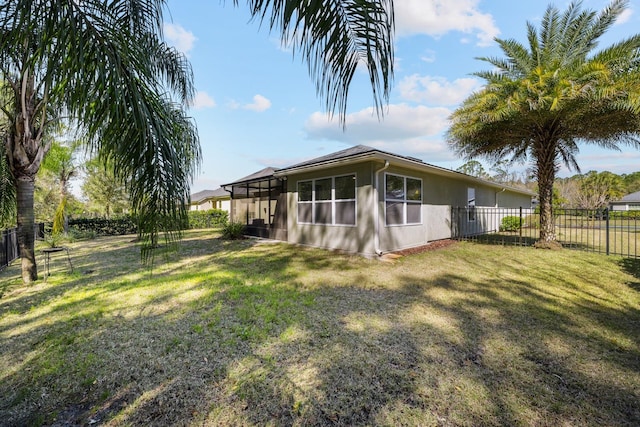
{"x": 403, "y": 200}
{"x": 471, "y": 204}
{"x": 329, "y": 201}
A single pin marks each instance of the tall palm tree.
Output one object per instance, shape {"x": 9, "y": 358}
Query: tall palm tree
{"x": 541, "y": 101}
{"x": 104, "y": 66}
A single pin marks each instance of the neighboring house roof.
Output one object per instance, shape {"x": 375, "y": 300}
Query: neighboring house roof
{"x": 629, "y": 198}
{"x": 203, "y": 195}
{"x": 364, "y": 153}
{"x": 256, "y": 176}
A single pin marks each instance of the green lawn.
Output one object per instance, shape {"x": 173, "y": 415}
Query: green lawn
{"x": 251, "y": 333}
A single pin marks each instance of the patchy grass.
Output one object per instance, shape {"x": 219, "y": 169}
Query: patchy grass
{"x": 250, "y": 333}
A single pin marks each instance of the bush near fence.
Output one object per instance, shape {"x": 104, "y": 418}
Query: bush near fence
{"x": 511, "y": 223}
{"x": 103, "y": 227}
{"x": 207, "y": 219}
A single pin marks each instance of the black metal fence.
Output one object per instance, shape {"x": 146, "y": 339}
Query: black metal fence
{"x": 603, "y": 231}
{"x": 9, "y": 244}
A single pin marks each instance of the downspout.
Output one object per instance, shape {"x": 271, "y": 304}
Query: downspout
{"x": 376, "y": 207}
{"x": 497, "y": 193}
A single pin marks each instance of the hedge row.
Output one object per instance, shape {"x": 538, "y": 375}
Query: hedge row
{"x": 207, "y": 219}
{"x": 126, "y": 224}
{"x": 104, "y": 227}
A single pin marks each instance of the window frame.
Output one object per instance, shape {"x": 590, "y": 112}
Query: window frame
{"x": 404, "y": 200}
{"x": 333, "y": 201}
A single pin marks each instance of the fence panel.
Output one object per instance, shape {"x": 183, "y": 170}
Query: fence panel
{"x": 9, "y": 244}
{"x": 8, "y": 247}
{"x": 601, "y": 231}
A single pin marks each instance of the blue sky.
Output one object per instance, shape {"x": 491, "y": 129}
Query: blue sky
{"x": 256, "y": 104}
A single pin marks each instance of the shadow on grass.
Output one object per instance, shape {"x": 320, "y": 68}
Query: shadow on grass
{"x": 273, "y": 334}
{"x": 632, "y": 266}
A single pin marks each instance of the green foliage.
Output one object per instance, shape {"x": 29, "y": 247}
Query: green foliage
{"x": 510, "y": 223}
{"x": 103, "y": 227}
{"x": 53, "y": 240}
{"x": 59, "y": 217}
{"x": 631, "y": 182}
{"x": 7, "y": 193}
{"x": 207, "y": 219}
{"x": 597, "y": 189}
{"x": 624, "y": 215}
{"x": 106, "y": 194}
{"x": 545, "y": 98}
{"x": 233, "y": 230}
{"x": 473, "y": 168}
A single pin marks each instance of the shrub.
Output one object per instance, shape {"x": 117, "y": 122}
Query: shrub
{"x": 53, "y": 240}
{"x": 207, "y": 219}
{"x": 510, "y": 223}
{"x": 233, "y": 230}
{"x": 103, "y": 227}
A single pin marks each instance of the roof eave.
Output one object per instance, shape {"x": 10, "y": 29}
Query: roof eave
{"x": 397, "y": 160}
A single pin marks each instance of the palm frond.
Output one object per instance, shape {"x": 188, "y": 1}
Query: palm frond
{"x": 105, "y": 64}
{"x": 335, "y": 37}
{"x": 7, "y": 191}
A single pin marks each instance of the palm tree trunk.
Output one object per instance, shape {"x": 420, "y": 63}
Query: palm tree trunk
{"x": 26, "y": 222}
{"x": 546, "y": 171}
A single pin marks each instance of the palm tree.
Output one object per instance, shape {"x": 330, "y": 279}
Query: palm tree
{"x": 540, "y": 102}
{"x": 60, "y": 165}
{"x": 103, "y": 66}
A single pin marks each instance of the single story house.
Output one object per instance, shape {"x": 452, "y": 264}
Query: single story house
{"x": 364, "y": 200}
{"x": 630, "y": 202}
{"x": 211, "y": 199}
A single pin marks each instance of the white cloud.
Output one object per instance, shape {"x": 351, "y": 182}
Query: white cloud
{"x": 437, "y": 90}
{"x": 259, "y": 104}
{"x": 438, "y": 17}
{"x": 429, "y": 56}
{"x": 624, "y": 17}
{"x": 404, "y": 129}
{"x": 178, "y": 37}
{"x": 203, "y": 100}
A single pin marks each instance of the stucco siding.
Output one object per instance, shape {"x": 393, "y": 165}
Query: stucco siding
{"x": 356, "y": 239}
{"x": 439, "y": 195}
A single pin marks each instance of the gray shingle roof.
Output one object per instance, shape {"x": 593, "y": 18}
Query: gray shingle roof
{"x": 256, "y": 176}
{"x": 633, "y": 197}
{"x": 208, "y": 194}
{"x": 346, "y": 153}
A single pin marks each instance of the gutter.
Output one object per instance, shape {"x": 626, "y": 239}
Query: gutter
{"x": 376, "y": 207}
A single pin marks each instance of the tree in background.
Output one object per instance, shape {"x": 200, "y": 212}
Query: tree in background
{"x": 631, "y": 182}
{"x": 105, "y": 65}
{"x": 545, "y": 98}
{"x": 593, "y": 190}
{"x": 60, "y": 167}
{"x": 474, "y": 168}
{"x": 106, "y": 194}
{"x": 598, "y": 189}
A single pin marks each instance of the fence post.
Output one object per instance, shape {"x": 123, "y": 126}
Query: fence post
{"x": 606, "y": 214}
{"x": 5, "y": 239}
{"x": 520, "y": 228}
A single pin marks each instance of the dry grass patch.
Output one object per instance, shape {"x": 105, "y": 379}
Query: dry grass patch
{"x": 243, "y": 333}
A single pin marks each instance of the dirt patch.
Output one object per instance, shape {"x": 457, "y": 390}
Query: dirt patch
{"x": 438, "y": 244}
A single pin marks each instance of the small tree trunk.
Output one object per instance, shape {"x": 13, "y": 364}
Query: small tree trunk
{"x": 26, "y": 222}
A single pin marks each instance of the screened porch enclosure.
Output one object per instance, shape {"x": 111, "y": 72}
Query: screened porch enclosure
{"x": 261, "y": 206}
